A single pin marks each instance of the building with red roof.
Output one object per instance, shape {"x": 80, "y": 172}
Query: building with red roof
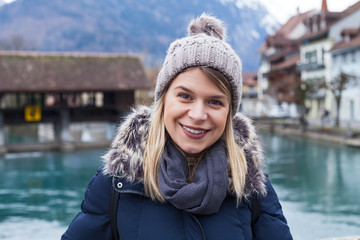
{"x": 324, "y": 31}
{"x": 277, "y": 74}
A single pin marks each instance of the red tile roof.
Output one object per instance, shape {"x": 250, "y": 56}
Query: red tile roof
{"x": 286, "y": 64}
{"x": 282, "y": 35}
{"x": 46, "y": 72}
{"x": 352, "y": 43}
{"x": 249, "y": 78}
{"x": 351, "y": 9}
{"x": 262, "y": 48}
{"x": 332, "y": 18}
{"x": 311, "y": 35}
{"x": 350, "y": 31}
{"x": 289, "y": 26}
{"x": 278, "y": 56}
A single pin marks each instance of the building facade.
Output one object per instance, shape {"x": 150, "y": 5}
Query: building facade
{"x": 313, "y": 47}
{"x": 346, "y": 58}
{"x": 277, "y": 75}
{"x": 317, "y": 65}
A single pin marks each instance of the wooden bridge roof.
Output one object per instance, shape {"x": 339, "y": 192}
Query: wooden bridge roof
{"x": 68, "y": 72}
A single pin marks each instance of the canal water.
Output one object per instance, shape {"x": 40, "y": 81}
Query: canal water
{"x": 318, "y": 185}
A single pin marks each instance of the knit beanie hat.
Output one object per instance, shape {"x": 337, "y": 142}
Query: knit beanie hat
{"x": 205, "y": 45}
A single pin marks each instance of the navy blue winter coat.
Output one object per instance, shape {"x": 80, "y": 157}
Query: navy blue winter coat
{"x": 139, "y": 217}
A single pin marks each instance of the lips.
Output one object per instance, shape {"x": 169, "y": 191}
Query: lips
{"x": 195, "y": 133}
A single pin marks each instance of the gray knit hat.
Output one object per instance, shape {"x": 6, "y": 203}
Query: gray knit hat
{"x": 205, "y": 45}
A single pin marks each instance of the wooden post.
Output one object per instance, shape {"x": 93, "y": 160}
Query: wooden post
{"x": 65, "y": 136}
{"x": 2, "y": 135}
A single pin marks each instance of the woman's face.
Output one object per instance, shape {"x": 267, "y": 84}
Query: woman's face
{"x": 195, "y": 111}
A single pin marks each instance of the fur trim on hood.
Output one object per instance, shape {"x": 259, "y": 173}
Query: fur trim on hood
{"x": 126, "y": 154}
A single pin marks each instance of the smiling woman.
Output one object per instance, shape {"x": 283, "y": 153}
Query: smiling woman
{"x": 195, "y": 117}
{"x": 190, "y": 164}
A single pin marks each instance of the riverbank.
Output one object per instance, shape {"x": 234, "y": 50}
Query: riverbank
{"x": 53, "y": 146}
{"x": 276, "y": 126}
{"x": 343, "y": 238}
{"x": 289, "y": 127}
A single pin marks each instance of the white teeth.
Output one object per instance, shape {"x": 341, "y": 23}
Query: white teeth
{"x": 193, "y": 130}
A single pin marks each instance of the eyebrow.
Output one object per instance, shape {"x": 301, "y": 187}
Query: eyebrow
{"x": 222, "y": 96}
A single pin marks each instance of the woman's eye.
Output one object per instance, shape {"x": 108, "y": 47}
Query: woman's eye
{"x": 215, "y": 102}
{"x": 184, "y": 96}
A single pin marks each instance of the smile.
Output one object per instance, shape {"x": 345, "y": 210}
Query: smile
{"x": 194, "y": 131}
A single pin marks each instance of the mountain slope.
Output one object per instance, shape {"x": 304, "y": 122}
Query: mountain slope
{"x": 145, "y": 27}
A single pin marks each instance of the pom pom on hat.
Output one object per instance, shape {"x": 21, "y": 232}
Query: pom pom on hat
{"x": 209, "y": 25}
{"x": 204, "y": 46}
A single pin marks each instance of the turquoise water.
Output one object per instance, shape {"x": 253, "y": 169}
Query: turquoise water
{"x": 318, "y": 185}
{"x": 40, "y": 193}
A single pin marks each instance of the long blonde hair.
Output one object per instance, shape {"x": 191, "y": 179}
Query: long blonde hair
{"x": 157, "y": 138}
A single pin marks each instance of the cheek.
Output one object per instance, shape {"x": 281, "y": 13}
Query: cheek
{"x": 170, "y": 114}
{"x": 167, "y": 120}
{"x": 166, "y": 117}
{"x": 220, "y": 121}
{"x": 221, "y": 117}
{"x": 222, "y": 126}
{"x": 173, "y": 109}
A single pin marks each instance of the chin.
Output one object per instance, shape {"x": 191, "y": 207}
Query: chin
{"x": 192, "y": 150}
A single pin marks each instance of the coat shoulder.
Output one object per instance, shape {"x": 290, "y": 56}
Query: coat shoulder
{"x": 247, "y": 137}
{"x": 126, "y": 153}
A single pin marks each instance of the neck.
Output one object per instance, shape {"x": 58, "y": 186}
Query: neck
{"x": 193, "y": 160}
{"x": 190, "y": 157}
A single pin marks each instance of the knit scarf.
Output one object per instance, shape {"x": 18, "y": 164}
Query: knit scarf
{"x": 206, "y": 193}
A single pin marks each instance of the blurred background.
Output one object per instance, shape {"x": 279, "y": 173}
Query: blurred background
{"x": 70, "y": 71}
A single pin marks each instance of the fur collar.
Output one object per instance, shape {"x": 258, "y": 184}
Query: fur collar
{"x": 126, "y": 153}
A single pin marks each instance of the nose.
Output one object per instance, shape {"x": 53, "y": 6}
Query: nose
{"x": 197, "y": 111}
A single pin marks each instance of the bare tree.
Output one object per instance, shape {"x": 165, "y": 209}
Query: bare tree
{"x": 304, "y": 89}
{"x": 15, "y": 42}
{"x": 337, "y": 86}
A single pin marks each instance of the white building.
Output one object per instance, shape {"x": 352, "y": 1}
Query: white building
{"x": 346, "y": 58}
{"x": 316, "y": 65}
{"x": 315, "y": 59}
{"x": 277, "y": 48}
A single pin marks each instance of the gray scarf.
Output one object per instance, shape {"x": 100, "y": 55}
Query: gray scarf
{"x": 208, "y": 190}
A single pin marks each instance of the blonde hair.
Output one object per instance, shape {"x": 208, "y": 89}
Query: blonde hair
{"x": 157, "y": 138}
{"x": 153, "y": 151}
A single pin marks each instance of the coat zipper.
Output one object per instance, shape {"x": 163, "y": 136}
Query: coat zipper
{"x": 201, "y": 229}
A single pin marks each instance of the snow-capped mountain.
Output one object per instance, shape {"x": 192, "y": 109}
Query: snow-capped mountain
{"x": 144, "y": 27}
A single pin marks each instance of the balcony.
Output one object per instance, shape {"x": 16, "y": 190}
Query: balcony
{"x": 317, "y": 94}
{"x": 309, "y": 66}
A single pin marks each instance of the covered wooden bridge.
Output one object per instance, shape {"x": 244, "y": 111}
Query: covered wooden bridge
{"x": 62, "y": 88}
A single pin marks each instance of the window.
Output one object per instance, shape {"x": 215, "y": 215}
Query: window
{"x": 8, "y": 100}
{"x": 311, "y": 56}
{"x": 353, "y": 56}
{"x": 344, "y": 58}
